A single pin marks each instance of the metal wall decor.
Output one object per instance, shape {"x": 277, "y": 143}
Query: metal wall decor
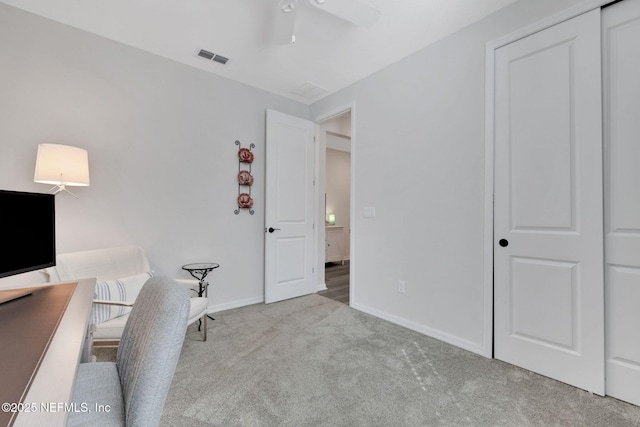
{"x": 245, "y": 179}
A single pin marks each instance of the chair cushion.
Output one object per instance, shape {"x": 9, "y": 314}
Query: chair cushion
{"x": 97, "y": 387}
{"x": 197, "y": 309}
{"x": 126, "y": 289}
{"x": 111, "y": 329}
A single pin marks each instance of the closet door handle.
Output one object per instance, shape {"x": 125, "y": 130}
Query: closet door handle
{"x": 503, "y": 242}
{"x": 271, "y": 229}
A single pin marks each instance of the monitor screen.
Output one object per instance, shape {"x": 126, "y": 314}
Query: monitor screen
{"x": 27, "y": 232}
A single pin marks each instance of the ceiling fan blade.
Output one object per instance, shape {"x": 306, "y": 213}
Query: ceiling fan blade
{"x": 284, "y": 21}
{"x": 354, "y": 11}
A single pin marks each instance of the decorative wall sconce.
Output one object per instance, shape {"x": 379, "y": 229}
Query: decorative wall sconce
{"x": 245, "y": 179}
{"x": 62, "y": 166}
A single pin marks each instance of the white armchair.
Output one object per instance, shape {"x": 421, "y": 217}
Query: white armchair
{"x": 120, "y": 273}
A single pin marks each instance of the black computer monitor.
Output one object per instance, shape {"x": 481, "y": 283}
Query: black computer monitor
{"x": 27, "y": 232}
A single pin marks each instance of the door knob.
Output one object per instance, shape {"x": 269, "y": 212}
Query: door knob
{"x": 503, "y": 242}
{"x": 271, "y": 229}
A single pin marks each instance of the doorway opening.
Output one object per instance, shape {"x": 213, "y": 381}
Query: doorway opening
{"x": 335, "y": 137}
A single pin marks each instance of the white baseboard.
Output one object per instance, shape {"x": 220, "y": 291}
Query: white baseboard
{"x": 322, "y": 287}
{"x": 433, "y": 333}
{"x": 234, "y": 304}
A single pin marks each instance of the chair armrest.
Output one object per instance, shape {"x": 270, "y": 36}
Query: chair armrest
{"x": 191, "y": 283}
{"x": 109, "y": 302}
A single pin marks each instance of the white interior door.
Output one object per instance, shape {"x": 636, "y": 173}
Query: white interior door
{"x": 289, "y": 211}
{"x": 548, "y": 280}
{"x": 621, "y": 33}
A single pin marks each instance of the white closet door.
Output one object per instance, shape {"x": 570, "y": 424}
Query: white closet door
{"x": 621, "y": 47}
{"x": 548, "y": 280}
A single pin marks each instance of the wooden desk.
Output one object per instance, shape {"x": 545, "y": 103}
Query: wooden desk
{"x": 52, "y": 385}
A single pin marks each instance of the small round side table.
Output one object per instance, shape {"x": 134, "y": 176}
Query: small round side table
{"x": 199, "y": 271}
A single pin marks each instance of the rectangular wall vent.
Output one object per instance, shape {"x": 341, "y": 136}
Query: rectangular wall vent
{"x": 212, "y": 56}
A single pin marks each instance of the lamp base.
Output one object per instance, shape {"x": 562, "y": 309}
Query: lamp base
{"x": 59, "y": 188}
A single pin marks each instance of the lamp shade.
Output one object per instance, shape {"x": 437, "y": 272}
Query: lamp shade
{"x": 62, "y": 165}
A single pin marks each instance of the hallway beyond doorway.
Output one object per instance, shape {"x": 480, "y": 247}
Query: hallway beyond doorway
{"x": 337, "y": 280}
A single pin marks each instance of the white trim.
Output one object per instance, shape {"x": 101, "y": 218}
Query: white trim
{"x": 352, "y": 206}
{"x": 572, "y": 12}
{"x": 317, "y": 222}
{"x": 234, "y": 304}
{"x": 487, "y": 318}
{"x": 352, "y": 229}
{"x": 433, "y": 333}
{"x": 338, "y": 111}
{"x": 491, "y": 47}
{"x": 322, "y": 287}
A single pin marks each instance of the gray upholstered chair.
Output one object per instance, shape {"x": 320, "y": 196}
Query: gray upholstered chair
{"x": 135, "y": 387}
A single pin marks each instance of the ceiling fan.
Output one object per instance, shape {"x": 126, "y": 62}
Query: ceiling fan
{"x": 355, "y": 11}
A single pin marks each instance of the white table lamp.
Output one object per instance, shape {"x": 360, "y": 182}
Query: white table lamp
{"x": 62, "y": 166}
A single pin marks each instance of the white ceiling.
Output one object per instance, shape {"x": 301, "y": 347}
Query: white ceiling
{"x": 329, "y": 52}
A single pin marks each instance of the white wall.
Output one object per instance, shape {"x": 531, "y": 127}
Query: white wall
{"x": 338, "y": 182}
{"x": 418, "y": 152}
{"x": 160, "y": 137}
{"x": 340, "y": 124}
{"x": 338, "y": 142}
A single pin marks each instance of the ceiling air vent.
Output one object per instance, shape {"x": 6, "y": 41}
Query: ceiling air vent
{"x": 212, "y": 56}
{"x": 309, "y": 90}
{"x": 221, "y": 59}
{"x": 206, "y": 54}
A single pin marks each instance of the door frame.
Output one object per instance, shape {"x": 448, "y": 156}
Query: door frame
{"x": 321, "y": 149}
{"x": 489, "y": 179}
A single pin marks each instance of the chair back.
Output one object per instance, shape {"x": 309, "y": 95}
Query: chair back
{"x": 150, "y": 347}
